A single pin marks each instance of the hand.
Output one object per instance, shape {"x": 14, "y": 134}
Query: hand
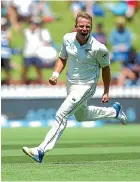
{"x": 105, "y": 98}
{"x": 53, "y": 80}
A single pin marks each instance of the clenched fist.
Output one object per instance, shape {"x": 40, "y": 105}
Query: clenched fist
{"x": 53, "y": 80}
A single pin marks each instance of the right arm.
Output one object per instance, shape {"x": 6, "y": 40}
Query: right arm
{"x": 59, "y": 66}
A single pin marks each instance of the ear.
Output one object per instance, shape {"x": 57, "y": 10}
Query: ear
{"x": 75, "y": 26}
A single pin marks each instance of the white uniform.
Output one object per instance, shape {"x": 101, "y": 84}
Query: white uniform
{"x": 84, "y": 63}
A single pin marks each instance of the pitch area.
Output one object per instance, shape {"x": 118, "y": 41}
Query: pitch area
{"x": 110, "y": 153}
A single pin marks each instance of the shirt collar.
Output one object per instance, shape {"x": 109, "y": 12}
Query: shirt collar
{"x": 89, "y": 42}
{"x": 90, "y": 39}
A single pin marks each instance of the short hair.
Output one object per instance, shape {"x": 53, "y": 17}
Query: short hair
{"x": 83, "y": 15}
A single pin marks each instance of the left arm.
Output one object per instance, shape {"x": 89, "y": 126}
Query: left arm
{"x": 104, "y": 62}
{"x": 106, "y": 76}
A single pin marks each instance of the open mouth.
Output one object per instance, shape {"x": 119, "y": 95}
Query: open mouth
{"x": 84, "y": 34}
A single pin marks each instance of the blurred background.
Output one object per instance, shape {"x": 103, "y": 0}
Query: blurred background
{"x": 31, "y": 37}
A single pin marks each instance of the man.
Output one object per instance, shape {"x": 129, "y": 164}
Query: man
{"x": 121, "y": 40}
{"x": 99, "y": 34}
{"x": 85, "y": 57}
{"x": 6, "y": 51}
{"x": 36, "y": 38}
{"x": 130, "y": 73}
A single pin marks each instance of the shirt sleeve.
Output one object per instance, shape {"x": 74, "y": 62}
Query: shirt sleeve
{"x": 103, "y": 57}
{"x": 63, "y": 52}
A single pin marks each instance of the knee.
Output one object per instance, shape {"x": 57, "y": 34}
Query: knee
{"x": 79, "y": 117}
{"x": 60, "y": 117}
{"x": 60, "y": 122}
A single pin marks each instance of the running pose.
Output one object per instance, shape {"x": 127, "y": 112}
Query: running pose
{"x": 85, "y": 57}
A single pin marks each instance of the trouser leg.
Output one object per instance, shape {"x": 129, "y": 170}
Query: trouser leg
{"x": 75, "y": 98}
{"x": 92, "y": 113}
{"x": 53, "y": 135}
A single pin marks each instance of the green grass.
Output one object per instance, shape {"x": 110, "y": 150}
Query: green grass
{"x": 64, "y": 25}
{"x": 110, "y": 153}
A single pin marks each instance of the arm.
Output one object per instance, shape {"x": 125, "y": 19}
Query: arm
{"x": 106, "y": 76}
{"x": 104, "y": 62}
{"x": 46, "y": 37}
{"x": 59, "y": 66}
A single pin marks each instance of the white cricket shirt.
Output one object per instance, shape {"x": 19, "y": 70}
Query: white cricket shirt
{"x": 84, "y": 62}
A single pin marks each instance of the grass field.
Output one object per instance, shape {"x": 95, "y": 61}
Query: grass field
{"x": 110, "y": 153}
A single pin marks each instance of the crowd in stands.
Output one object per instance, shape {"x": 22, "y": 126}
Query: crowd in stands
{"x": 40, "y": 50}
{"x": 6, "y": 51}
{"x": 126, "y": 8}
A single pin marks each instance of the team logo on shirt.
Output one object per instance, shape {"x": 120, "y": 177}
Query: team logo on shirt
{"x": 87, "y": 51}
{"x": 105, "y": 56}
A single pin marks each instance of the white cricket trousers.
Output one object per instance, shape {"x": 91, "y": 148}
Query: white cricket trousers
{"x": 75, "y": 103}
